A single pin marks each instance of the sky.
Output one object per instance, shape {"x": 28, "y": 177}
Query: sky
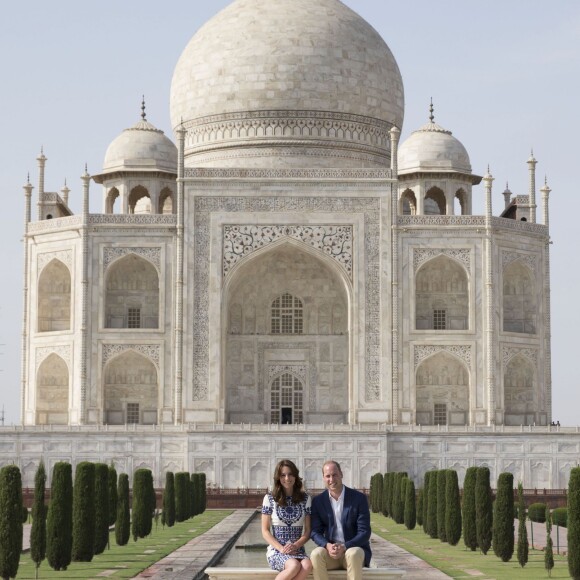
{"x": 504, "y": 78}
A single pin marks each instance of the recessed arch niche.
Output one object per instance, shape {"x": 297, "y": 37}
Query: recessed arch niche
{"x": 54, "y": 297}
{"x": 442, "y": 391}
{"x": 52, "y": 391}
{"x": 132, "y": 294}
{"x": 130, "y": 390}
{"x": 520, "y": 303}
{"x": 442, "y": 296}
{"x": 520, "y": 391}
{"x": 319, "y": 354}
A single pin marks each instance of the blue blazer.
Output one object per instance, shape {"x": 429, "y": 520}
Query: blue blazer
{"x": 356, "y": 521}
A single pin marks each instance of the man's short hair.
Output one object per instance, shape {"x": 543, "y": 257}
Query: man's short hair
{"x": 332, "y": 462}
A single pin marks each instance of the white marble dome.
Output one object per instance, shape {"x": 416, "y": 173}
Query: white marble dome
{"x": 433, "y": 148}
{"x": 286, "y": 82}
{"x": 142, "y": 147}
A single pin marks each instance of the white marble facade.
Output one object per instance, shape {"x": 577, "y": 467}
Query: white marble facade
{"x": 287, "y": 262}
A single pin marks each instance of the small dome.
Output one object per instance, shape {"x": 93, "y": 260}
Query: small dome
{"x": 432, "y": 148}
{"x": 142, "y": 147}
{"x": 279, "y": 79}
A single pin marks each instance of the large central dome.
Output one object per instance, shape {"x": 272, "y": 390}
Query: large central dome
{"x": 279, "y": 83}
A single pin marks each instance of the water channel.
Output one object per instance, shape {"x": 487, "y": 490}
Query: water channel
{"x": 249, "y": 551}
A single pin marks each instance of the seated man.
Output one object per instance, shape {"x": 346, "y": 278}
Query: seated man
{"x": 341, "y": 527}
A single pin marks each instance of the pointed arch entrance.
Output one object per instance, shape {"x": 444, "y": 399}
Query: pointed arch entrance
{"x": 287, "y": 338}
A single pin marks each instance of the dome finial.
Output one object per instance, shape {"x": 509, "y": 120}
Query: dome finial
{"x": 431, "y": 109}
{"x": 143, "y": 115}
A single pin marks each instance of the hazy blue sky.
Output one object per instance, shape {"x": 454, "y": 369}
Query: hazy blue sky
{"x": 504, "y": 77}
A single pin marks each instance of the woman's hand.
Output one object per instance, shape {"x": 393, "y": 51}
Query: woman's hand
{"x": 290, "y": 548}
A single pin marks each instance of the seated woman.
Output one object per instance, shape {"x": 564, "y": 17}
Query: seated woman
{"x": 286, "y": 523}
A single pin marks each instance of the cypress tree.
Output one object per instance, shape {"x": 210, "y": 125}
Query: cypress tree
{"x": 399, "y": 497}
{"x": 198, "y": 492}
{"x": 101, "y": 507}
{"x": 426, "y": 484}
{"x": 468, "y": 509}
{"x": 452, "y": 508}
{"x": 59, "y": 517}
{"x": 483, "y": 509}
{"x": 181, "y": 489}
{"x": 420, "y": 506}
{"x": 113, "y": 496}
{"x": 190, "y": 494}
{"x": 372, "y": 493}
{"x": 574, "y": 523}
{"x": 410, "y": 505}
{"x": 385, "y": 494}
{"x": 432, "y": 507}
{"x": 83, "y": 544}
{"x": 123, "y": 521}
{"x": 523, "y": 547}
{"x": 441, "y": 502}
{"x": 142, "y": 516}
{"x": 378, "y": 496}
{"x": 389, "y": 499}
{"x": 549, "y": 551}
{"x": 503, "y": 520}
{"x": 203, "y": 489}
{"x": 10, "y": 520}
{"x": 39, "y": 510}
{"x": 169, "y": 500}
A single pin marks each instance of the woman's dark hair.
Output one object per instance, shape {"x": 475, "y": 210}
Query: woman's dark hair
{"x": 278, "y": 493}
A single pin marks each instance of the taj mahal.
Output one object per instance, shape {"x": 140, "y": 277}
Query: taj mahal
{"x": 284, "y": 276}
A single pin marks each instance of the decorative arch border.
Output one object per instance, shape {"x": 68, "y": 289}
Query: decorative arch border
{"x": 149, "y": 351}
{"x": 509, "y": 352}
{"x": 370, "y": 210}
{"x": 113, "y": 254}
{"x": 528, "y": 260}
{"x": 63, "y": 351}
{"x": 64, "y": 256}
{"x": 463, "y": 352}
{"x": 241, "y": 240}
{"x": 461, "y": 255}
{"x": 300, "y": 371}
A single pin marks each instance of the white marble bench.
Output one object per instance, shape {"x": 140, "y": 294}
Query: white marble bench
{"x": 267, "y": 574}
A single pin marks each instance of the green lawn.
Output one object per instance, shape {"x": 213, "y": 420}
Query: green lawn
{"x": 127, "y": 561}
{"x": 458, "y": 562}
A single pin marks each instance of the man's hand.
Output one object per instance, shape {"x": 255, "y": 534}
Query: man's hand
{"x": 336, "y": 551}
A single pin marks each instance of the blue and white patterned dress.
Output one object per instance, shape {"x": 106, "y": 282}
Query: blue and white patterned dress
{"x": 287, "y": 526}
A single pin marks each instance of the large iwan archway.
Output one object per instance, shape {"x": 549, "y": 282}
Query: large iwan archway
{"x": 286, "y": 320}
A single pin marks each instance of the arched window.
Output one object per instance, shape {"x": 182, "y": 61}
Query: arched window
{"x": 139, "y": 200}
{"x": 287, "y": 315}
{"x": 165, "y": 201}
{"x": 408, "y": 203}
{"x": 434, "y": 202}
{"x": 112, "y": 197}
{"x": 287, "y": 400}
{"x": 54, "y": 298}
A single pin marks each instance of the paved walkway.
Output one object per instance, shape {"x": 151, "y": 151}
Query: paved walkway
{"x": 540, "y": 536}
{"x": 190, "y": 560}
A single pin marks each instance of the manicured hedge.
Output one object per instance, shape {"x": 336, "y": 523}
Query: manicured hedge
{"x": 101, "y": 507}
{"x": 59, "y": 519}
{"x": 143, "y": 498}
{"x": 537, "y": 512}
{"x": 503, "y": 518}
{"x": 468, "y": 509}
{"x": 10, "y": 520}
{"x": 123, "y": 521}
{"x": 452, "y": 508}
{"x": 441, "y": 502}
{"x": 432, "y": 505}
{"x": 169, "y": 500}
{"x": 83, "y": 545}
{"x": 560, "y": 517}
{"x": 410, "y": 517}
{"x": 483, "y": 509}
{"x": 523, "y": 545}
{"x": 39, "y": 511}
